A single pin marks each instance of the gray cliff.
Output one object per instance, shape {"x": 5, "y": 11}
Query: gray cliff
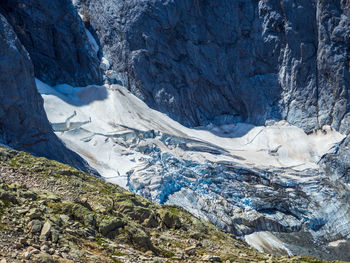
{"x": 23, "y": 121}
{"x": 54, "y": 35}
{"x": 227, "y": 61}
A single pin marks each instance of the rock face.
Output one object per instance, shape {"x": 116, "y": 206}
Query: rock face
{"x": 227, "y": 61}
{"x": 55, "y": 37}
{"x": 333, "y": 63}
{"x": 23, "y": 122}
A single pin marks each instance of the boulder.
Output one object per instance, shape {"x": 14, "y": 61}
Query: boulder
{"x": 35, "y": 226}
{"x": 211, "y": 258}
{"x": 107, "y": 227}
{"x": 46, "y": 231}
{"x": 191, "y": 251}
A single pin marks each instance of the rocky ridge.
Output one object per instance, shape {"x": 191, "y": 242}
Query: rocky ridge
{"x": 51, "y": 212}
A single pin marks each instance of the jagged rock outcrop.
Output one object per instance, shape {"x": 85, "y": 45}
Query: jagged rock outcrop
{"x": 55, "y": 37}
{"x": 23, "y": 121}
{"x": 227, "y": 61}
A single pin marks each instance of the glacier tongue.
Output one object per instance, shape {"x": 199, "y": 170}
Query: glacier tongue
{"x": 258, "y": 182}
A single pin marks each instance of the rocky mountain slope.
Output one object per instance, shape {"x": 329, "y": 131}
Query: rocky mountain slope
{"x": 226, "y": 61}
{"x": 53, "y": 213}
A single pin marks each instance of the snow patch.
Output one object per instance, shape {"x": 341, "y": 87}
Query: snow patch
{"x": 268, "y": 243}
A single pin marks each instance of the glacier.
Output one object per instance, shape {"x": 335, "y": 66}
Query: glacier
{"x": 261, "y": 183}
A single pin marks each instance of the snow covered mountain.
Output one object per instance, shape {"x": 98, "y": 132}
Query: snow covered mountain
{"x": 237, "y": 111}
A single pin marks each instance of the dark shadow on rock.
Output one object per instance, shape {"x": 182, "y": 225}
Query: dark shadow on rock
{"x": 75, "y": 96}
{"x": 235, "y": 130}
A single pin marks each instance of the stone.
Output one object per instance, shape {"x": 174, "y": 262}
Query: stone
{"x": 211, "y": 258}
{"x": 35, "y": 226}
{"x": 44, "y": 248}
{"x": 45, "y": 258}
{"x": 55, "y": 236}
{"x": 199, "y": 245}
{"x": 34, "y": 213}
{"x": 64, "y": 249}
{"x": 108, "y": 226}
{"x": 52, "y": 197}
{"x": 46, "y": 231}
{"x": 47, "y": 243}
{"x": 23, "y": 240}
{"x": 35, "y": 251}
{"x": 191, "y": 251}
{"x": 27, "y": 255}
{"x": 17, "y": 245}
{"x": 65, "y": 219}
